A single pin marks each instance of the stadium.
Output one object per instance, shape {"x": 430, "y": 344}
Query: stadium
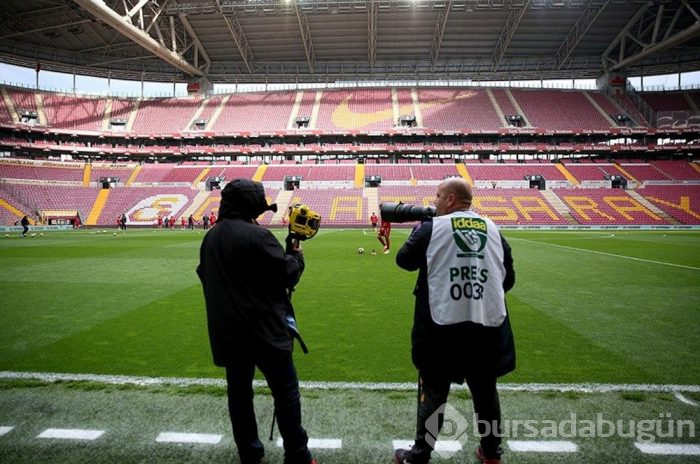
{"x": 541, "y": 105}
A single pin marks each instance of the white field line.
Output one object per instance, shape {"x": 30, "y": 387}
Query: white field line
{"x": 175, "y": 437}
{"x": 669, "y": 449}
{"x": 542, "y": 446}
{"x": 607, "y": 254}
{"x": 71, "y": 434}
{"x": 685, "y": 400}
{"x": 367, "y": 386}
{"x": 5, "y": 430}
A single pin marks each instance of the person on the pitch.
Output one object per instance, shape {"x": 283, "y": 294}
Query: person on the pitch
{"x": 384, "y": 236}
{"x": 247, "y": 277}
{"x": 461, "y": 328}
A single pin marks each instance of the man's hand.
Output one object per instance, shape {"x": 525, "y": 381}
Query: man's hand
{"x": 292, "y": 244}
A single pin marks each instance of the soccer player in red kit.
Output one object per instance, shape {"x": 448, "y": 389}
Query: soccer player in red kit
{"x": 384, "y": 236}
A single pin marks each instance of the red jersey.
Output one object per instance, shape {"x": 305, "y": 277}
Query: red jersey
{"x": 385, "y": 229}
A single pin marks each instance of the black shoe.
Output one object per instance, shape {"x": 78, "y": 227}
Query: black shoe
{"x": 404, "y": 456}
{"x": 259, "y": 461}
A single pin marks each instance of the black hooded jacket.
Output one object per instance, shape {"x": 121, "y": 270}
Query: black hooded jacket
{"x": 245, "y": 274}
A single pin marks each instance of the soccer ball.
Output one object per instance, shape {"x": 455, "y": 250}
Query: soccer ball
{"x": 360, "y": 251}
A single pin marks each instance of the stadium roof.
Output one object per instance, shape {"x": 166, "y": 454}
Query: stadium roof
{"x": 246, "y": 41}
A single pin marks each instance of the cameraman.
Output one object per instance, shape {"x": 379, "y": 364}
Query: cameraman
{"x": 461, "y": 328}
{"x": 246, "y": 276}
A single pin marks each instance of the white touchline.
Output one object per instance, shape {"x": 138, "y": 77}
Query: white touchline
{"x": 5, "y": 430}
{"x": 367, "y": 386}
{"x": 606, "y": 254}
{"x": 441, "y": 445}
{"x": 542, "y": 446}
{"x": 175, "y": 437}
{"x": 319, "y": 443}
{"x": 685, "y": 400}
{"x": 669, "y": 449}
{"x": 71, "y": 434}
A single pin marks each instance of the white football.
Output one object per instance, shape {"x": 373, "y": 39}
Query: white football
{"x": 360, "y": 251}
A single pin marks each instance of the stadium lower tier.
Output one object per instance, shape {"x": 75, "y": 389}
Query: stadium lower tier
{"x": 351, "y": 207}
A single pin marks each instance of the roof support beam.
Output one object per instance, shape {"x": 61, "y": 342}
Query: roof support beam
{"x": 507, "y": 33}
{"x": 585, "y": 21}
{"x": 47, "y": 28}
{"x": 237, "y": 33}
{"x": 620, "y": 37}
{"x": 657, "y": 24}
{"x": 372, "y": 32}
{"x": 110, "y": 17}
{"x": 156, "y": 16}
{"x": 138, "y": 8}
{"x": 439, "y": 32}
{"x": 692, "y": 11}
{"x": 672, "y": 25}
{"x": 200, "y": 48}
{"x": 173, "y": 34}
{"x": 676, "y": 39}
{"x": 639, "y": 38}
{"x": 306, "y": 37}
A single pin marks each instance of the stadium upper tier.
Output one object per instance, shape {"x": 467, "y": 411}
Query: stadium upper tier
{"x": 667, "y": 192}
{"x": 359, "y": 110}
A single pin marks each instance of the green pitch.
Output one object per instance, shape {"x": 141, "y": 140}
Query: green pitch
{"x": 597, "y": 306}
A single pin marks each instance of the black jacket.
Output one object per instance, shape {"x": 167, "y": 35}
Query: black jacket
{"x": 245, "y": 274}
{"x": 460, "y": 349}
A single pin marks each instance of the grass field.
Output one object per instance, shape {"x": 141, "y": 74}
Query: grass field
{"x": 596, "y": 306}
{"x": 588, "y": 308}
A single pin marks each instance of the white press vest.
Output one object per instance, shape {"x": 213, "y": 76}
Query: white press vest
{"x": 465, "y": 270}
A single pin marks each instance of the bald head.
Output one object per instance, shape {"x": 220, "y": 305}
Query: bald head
{"x": 453, "y": 194}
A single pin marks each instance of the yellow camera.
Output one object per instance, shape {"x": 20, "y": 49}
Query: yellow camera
{"x": 303, "y": 221}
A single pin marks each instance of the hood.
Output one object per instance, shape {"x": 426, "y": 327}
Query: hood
{"x": 244, "y": 199}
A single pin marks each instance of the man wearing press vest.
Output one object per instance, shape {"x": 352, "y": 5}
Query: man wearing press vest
{"x": 461, "y": 329}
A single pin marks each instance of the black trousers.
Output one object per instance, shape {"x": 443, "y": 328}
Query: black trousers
{"x": 487, "y": 412}
{"x": 279, "y": 371}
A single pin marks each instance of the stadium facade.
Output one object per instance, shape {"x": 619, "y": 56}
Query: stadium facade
{"x": 611, "y": 157}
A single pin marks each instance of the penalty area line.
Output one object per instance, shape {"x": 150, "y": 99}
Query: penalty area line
{"x": 50, "y": 377}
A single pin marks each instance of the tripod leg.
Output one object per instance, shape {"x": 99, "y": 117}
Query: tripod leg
{"x": 419, "y": 391}
{"x": 272, "y": 427}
